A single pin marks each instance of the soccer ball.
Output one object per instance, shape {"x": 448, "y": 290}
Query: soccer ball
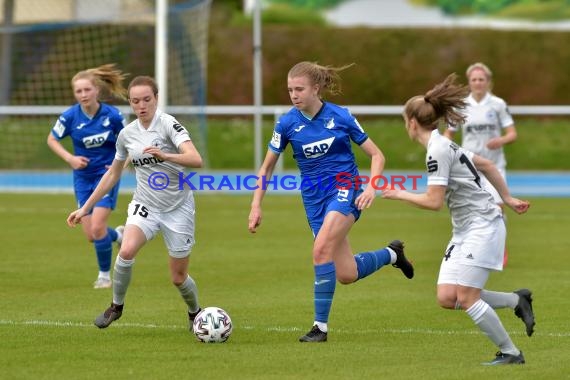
{"x": 212, "y": 325}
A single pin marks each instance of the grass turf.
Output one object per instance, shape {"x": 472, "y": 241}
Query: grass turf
{"x": 384, "y": 326}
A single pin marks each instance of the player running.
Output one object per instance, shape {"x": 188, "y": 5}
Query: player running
{"x": 93, "y": 127}
{"x": 320, "y": 134}
{"x": 477, "y": 244}
{"x": 160, "y": 148}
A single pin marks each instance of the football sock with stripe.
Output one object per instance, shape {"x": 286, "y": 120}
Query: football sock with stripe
{"x": 488, "y": 321}
{"x": 325, "y": 284}
{"x": 369, "y": 262}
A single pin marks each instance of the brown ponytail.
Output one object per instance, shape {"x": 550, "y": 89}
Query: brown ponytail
{"x": 444, "y": 101}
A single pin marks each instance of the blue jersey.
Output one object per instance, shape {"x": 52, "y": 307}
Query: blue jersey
{"x": 93, "y": 138}
{"x": 322, "y": 149}
{"x": 322, "y": 145}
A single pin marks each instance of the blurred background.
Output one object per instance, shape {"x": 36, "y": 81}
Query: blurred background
{"x": 212, "y": 49}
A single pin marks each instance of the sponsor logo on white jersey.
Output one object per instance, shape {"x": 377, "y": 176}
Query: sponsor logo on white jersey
{"x": 330, "y": 124}
{"x": 317, "y": 148}
{"x": 95, "y": 141}
{"x": 299, "y": 128}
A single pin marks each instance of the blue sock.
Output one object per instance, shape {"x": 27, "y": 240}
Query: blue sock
{"x": 325, "y": 283}
{"x": 104, "y": 251}
{"x": 112, "y": 233}
{"x": 369, "y": 262}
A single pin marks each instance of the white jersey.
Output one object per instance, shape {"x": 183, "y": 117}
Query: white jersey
{"x": 152, "y": 174}
{"x": 450, "y": 165}
{"x": 485, "y": 120}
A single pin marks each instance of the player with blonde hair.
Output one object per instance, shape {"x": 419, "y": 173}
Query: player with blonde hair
{"x": 321, "y": 134}
{"x": 488, "y": 125}
{"x": 93, "y": 127}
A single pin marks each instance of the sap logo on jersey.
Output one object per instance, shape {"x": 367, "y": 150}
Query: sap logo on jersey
{"x": 318, "y": 148}
{"x": 95, "y": 141}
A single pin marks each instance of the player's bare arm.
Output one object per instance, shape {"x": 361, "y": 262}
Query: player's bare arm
{"x": 433, "y": 199}
{"x": 109, "y": 179}
{"x": 265, "y": 171}
{"x": 188, "y": 155}
{"x": 377, "y": 161}
{"x": 490, "y": 171}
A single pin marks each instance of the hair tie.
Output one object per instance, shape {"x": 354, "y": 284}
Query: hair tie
{"x": 426, "y": 99}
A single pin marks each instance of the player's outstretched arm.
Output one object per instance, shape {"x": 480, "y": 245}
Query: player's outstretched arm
{"x": 433, "y": 199}
{"x": 263, "y": 176}
{"x": 109, "y": 179}
{"x": 490, "y": 171}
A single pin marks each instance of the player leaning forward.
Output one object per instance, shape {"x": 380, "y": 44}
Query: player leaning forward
{"x": 158, "y": 146}
{"x": 478, "y": 242}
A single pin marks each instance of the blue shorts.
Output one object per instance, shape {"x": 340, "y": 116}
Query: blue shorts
{"x": 335, "y": 200}
{"x": 84, "y": 187}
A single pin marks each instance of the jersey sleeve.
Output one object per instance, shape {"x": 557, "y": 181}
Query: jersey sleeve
{"x": 121, "y": 152}
{"x": 177, "y": 133}
{"x": 61, "y": 127}
{"x": 505, "y": 117}
{"x": 355, "y": 130}
{"x": 279, "y": 139}
{"x": 438, "y": 164}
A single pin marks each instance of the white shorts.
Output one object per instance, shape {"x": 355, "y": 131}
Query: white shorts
{"x": 486, "y": 185}
{"x": 472, "y": 252}
{"x": 177, "y": 226}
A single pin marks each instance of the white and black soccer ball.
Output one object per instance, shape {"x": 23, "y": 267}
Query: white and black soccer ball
{"x": 212, "y": 325}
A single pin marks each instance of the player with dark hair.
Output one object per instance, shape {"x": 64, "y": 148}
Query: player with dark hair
{"x": 478, "y": 240}
{"x": 159, "y": 148}
{"x": 320, "y": 134}
{"x": 93, "y": 127}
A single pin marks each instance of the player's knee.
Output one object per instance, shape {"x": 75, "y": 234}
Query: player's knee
{"x": 321, "y": 255}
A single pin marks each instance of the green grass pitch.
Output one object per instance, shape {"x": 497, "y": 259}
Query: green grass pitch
{"x": 384, "y": 327}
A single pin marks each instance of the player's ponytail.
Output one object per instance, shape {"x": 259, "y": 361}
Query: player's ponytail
{"x": 444, "y": 101}
{"x": 326, "y": 77}
{"x": 107, "y": 78}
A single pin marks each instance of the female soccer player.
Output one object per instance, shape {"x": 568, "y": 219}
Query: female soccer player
{"x": 320, "y": 134}
{"x": 160, "y": 148}
{"x": 478, "y": 240}
{"x": 93, "y": 127}
{"x": 488, "y": 125}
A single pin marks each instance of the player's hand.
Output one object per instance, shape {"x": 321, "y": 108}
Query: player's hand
{"x": 75, "y": 217}
{"x": 518, "y": 206}
{"x": 365, "y": 199}
{"x": 390, "y": 193}
{"x": 494, "y": 143}
{"x": 156, "y": 152}
{"x": 254, "y": 219}
{"x": 78, "y": 162}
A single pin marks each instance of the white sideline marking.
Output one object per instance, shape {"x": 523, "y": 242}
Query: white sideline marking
{"x": 274, "y": 328}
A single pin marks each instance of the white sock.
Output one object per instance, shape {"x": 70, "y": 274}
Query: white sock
{"x": 488, "y": 321}
{"x": 498, "y": 300}
{"x": 105, "y": 275}
{"x": 393, "y": 256}
{"x": 322, "y": 326}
